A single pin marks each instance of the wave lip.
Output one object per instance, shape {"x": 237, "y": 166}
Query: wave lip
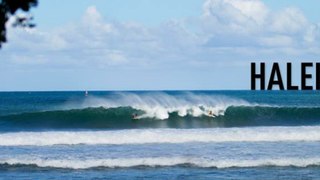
{"x": 161, "y": 161}
{"x": 143, "y": 136}
{"x": 160, "y": 105}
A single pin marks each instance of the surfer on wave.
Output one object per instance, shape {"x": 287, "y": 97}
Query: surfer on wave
{"x": 134, "y": 116}
{"x": 210, "y": 113}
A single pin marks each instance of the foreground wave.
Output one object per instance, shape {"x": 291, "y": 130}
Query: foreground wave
{"x": 142, "y": 136}
{"x": 187, "y": 117}
{"x": 159, "y": 161}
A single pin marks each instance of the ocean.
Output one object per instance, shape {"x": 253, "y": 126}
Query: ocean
{"x": 160, "y": 135}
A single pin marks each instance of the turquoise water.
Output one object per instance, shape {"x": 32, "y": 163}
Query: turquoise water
{"x": 173, "y": 135}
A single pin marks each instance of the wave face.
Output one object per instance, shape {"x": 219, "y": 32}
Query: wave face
{"x": 144, "y": 136}
{"x": 121, "y": 117}
{"x": 158, "y": 110}
{"x": 160, "y": 161}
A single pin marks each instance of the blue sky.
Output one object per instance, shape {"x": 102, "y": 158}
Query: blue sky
{"x": 156, "y": 45}
{"x": 143, "y": 11}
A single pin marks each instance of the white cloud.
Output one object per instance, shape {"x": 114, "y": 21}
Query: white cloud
{"x": 251, "y": 23}
{"x": 228, "y": 29}
{"x": 234, "y": 15}
{"x": 312, "y": 34}
{"x": 92, "y": 15}
{"x": 289, "y": 20}
{"x": 277, "y": 41}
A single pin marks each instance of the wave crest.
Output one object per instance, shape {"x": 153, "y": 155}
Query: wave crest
{"x": 161, "y": 105}
{"x": 161, "y": 161}
{"x": 262, "y": 134}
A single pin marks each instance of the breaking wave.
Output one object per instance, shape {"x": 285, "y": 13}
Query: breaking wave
{"x": 121, "y": 117}
{"x": 142, "y": 136}
{"x": 160, "y": 110}
{"x": 159, "y": 161}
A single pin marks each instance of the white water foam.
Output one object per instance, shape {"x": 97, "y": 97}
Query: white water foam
{"x": 161, "y": 161}
{"x": 159, "y": 105}
{"x": 142, "y": 136}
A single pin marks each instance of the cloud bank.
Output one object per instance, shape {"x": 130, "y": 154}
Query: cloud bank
{"x": 229, "y": 33}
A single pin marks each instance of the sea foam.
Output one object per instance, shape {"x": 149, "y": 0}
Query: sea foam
{"x": 160, "y": 161}
{"x": 142, "y": 136}
{"x": 160, "y": 105}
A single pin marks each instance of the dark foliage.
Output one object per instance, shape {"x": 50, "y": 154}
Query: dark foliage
{"x": 9, "y": 8}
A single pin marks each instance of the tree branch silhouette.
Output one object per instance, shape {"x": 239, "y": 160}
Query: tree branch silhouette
{"x": 8, "y": 8}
